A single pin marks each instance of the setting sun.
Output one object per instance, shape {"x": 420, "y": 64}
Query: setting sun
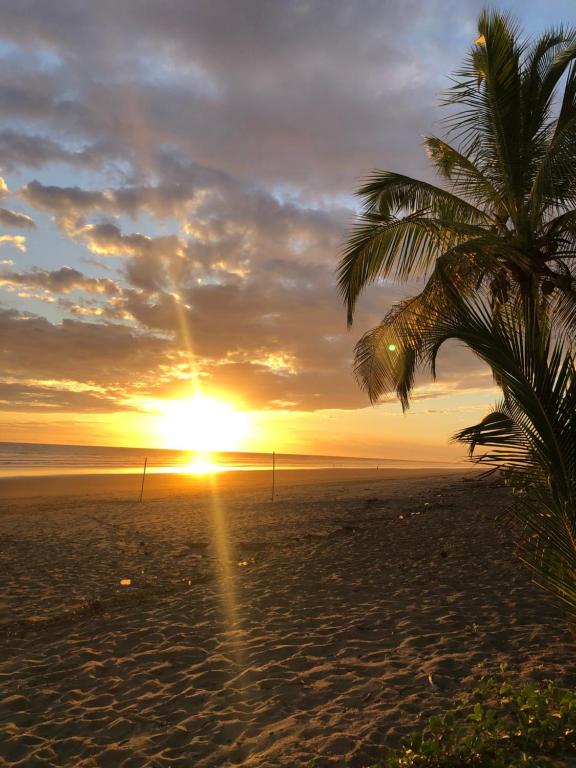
{"x": 202, "y": 424}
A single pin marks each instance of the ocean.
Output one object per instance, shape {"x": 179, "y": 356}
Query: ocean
{"x": 32, "y": 459}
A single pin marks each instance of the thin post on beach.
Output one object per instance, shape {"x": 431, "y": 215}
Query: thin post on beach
{"x": 143, "y": 478}
{"x": 273, "y": 474}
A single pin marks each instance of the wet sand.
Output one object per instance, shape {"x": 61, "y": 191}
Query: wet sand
{"x": 323, "y": 626}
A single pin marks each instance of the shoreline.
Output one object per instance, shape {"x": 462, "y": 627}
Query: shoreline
{"x": 129, "y": 484}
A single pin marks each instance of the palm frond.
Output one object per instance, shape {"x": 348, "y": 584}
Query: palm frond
{"x": 386, "y": 244}
{"x": 466, "y": 178}
{"x": 554, "y": 185}
{"x": 546, "y": 62}
{"x": 387, "y": 357}
{"x": 488, "y": 92}
{"x": 531, "y": 438}
{"x": 387, "y": 193}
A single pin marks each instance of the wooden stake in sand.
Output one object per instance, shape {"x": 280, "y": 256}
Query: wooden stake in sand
{"x": 273, "y": 473}
{"x": 143, "y": 478}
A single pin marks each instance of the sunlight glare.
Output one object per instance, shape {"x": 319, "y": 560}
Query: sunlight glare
{"x": 201, "y": 465}
{"x": 203, "y": 424}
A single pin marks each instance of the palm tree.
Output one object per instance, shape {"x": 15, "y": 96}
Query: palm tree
{"x": 505, "y": 219}
{"x": 531, "y": 433}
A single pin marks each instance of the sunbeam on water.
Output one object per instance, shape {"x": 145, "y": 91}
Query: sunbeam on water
{"x": 202, "y": 464}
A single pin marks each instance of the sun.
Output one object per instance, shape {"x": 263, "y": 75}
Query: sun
{"x": 203, "y": 424}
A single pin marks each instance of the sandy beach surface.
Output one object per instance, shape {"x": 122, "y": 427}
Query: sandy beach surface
{"x": 320, "y": 627}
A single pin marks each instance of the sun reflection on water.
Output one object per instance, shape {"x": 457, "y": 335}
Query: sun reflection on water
{"x": 202, "y": 464}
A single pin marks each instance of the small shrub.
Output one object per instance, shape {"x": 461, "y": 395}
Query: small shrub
{"x": 499, "y": 726}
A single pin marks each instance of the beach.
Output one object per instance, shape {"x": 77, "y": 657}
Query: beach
{"x": 209, "y": 626}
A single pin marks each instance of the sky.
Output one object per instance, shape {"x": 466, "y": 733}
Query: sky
{"x": 178, "y": 181}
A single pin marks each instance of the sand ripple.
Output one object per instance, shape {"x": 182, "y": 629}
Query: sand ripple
{"x": 322, "y": 627}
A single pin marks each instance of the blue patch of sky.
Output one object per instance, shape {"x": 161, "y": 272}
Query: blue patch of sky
{"x": 536, "y": 16}
{"x": 164, "y": 68}
{"x": 441, "y": 48}
{"x": 54, "y": 174}
{"x": 47, "y": 247}
{"x": 36, "y": 59}
{"x": 51, "y": 311}
{"x": 300, "y": 197}
{"x": 50, "y": 248}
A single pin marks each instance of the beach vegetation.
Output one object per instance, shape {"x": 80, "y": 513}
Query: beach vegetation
{"x": 530, "y": 435}
{"x": 500, "y": 725}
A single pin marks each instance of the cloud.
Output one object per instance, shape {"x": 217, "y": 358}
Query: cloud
{"x": 147, "y": 268}
{"x": 282, "y": 333}
{"x": 18, "y": 241}
{"x": 24, "y": 396}
{"x": 110, "y": 355}
{"x": 63, "y": 200}
{"x": 229, "y": 225}
{"x": 304, "y": 93}
{"x": 18, "y": 150}
{"x": 10, "y": 218}
{"x": 203, "y": 155}
{"x": 59, "y": 281}
{"x": 252, "y": 337}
